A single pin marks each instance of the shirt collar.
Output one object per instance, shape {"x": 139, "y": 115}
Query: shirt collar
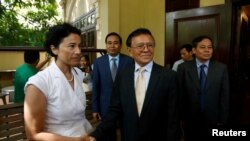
{"x": 198, "y": 63}
{"x": 147, "y": 67}
{"x": 117, "y": 57}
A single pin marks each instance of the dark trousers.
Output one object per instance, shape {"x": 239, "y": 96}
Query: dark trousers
{"x": 110, "y": 136}
{"x": 196, "y": 132}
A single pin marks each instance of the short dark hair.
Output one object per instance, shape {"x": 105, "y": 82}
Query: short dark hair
{"x": 31, "y": 56}
{"x": 199, "y": 39}
{"x": 137, "y": 32}
{"x": 188, "y": 47}
{"x": 56, "y": 34}
{"x": 86, "y": 56}
{"x": 113, "y": 34}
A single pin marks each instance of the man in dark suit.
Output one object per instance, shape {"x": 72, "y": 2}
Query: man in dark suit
{"x": 152, "y": 113}
{"x": 204, "y": 91}
{"x": 103, "y": 76}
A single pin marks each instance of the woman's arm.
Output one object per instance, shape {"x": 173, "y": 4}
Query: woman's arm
{"x": 35, "y": 106}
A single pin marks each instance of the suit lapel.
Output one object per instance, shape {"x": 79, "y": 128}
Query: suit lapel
{"x": 131, "y": 89}
{"x": 154, "y": 78}
{"x": 193, "y": 74}
{"x": 106, "y": 66}
{"x": 121, "y": 62}
{"x": 210, "y": 74}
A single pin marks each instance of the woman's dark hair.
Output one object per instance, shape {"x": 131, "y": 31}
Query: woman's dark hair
{"x": 56, "y": 34}
{"x": 113, "y": 34}
{"x": 31, "y": 56}
{"x": 137, "y": 32}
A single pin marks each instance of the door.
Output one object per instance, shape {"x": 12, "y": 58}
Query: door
{"x": 241, "y": 63}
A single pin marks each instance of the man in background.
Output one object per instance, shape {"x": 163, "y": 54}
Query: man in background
{"x": 25, "y": 71}
{"x": 204, "y": 91}
{"x": 186, "y": 55}
{"x": 104, "y": 73}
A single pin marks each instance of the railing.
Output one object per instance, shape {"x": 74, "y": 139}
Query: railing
{"x": 12, "y": 122}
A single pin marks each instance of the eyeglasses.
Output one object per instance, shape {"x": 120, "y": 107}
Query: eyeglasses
{"x": 141, "y": 46}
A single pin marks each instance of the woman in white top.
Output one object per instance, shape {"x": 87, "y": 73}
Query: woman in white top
{"x": 55, "y": 102}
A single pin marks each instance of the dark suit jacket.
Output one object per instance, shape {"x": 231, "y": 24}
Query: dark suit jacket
{"x": 103, "y": 82}
{"x": 216, "y": 94}
{"x": 159, "y": 116}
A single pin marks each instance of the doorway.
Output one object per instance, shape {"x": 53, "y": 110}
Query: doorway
{"x": 240, "y": 58}
{"x": 229, "y": 26}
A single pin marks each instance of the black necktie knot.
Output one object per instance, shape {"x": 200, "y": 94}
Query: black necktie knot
{"x": 202, "y": 66}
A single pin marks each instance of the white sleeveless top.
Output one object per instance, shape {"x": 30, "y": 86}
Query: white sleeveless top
{"x": 65, "y": 106}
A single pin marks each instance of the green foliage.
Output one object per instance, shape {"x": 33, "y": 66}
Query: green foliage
{"x": 24, "y": 22}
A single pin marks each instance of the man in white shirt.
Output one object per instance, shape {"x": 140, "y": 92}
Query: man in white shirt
{"x": 186, "y": 55}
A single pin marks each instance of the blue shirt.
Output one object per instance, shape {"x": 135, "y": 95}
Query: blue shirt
{"x": 116, "y": 61}
{"x": 198, "y": 63}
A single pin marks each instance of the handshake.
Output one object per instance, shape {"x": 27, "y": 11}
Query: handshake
{"x": 87, "y": 138}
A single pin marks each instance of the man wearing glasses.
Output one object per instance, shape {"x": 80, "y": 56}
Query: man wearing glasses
{"x": 144, "y": 96}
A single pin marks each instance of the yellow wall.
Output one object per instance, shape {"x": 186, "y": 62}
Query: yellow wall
{"x": 121, "y": 16}
{"x": 6, "y": 63}
{"x": 124, "y": 16}
{"x": 204, "y": 3}
{"x": 10, "y": 60}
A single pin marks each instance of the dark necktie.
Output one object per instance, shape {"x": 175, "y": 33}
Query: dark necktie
{"x": 113, "y": 68}
{"x": 202, "y": 86}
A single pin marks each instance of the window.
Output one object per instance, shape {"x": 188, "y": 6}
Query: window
{"x": 87, "y": 24}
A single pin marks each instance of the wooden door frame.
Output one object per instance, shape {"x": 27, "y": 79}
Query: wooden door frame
{"x": 171, "y": 48}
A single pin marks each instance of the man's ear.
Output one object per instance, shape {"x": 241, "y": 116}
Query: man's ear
{"x": 129, "y": 51}
{"x": 193, "y": 50}
{"x": 54, "y": 49}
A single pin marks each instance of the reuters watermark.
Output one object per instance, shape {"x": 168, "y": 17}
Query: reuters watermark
{"x": 228, "y": 133}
